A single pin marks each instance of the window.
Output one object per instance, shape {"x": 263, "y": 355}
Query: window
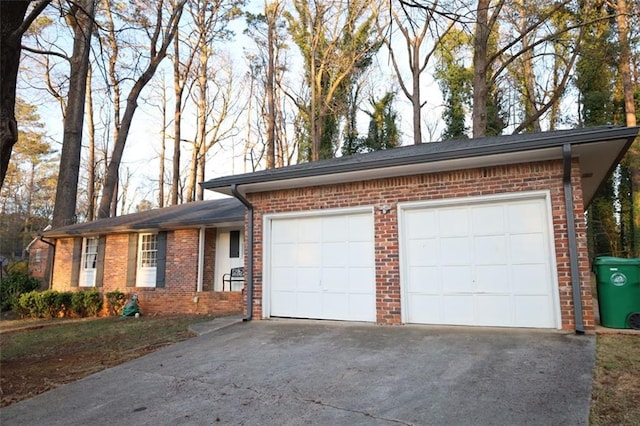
{"x": 234, "y": 244}
{"x": 148, "y": 250}
{"x": 37, "y": 256}
{"x": 90, "y": 255}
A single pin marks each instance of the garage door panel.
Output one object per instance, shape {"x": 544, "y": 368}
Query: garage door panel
{"x": 533, "y": 311}
{"x": 453, "y": 222}
{"x": 424, "y": 280}
{"x": 424, "y": 224}
{"x": 457, "y": 309}
{"x": 485, "y": 275}
{"x": 525, "y": 217}
{"x": 284, "y": 302}
{"x": 359, "y": 280}
{"x": 489, "y": 250}
{"x": 457, "y": 279}
{"x": 333, "y": 229}
{"x": 335, "y": 254}
{"x": 492, "y": 279}
{"x": 282, "y": 253}
{"x": 307, "y": 231}
{"x": 335, "y": 279}
{"x": 309, "y": 255}
{"x": 530, "y": 279}
{"x": 308, "y": 304}
{"x": 329, "y": 267}
{"x": 283, "y": 279}
{"x": 426, "y": 309}
{"x": 493, "y": 310}
{"x": 307, "y": 279}
{"x": 488, "y": 220}
{"x": 423, "y": 252}
{"x": 455, "y": 251}
{"x": 528, "y": 248}
{"x": 359, "y": 228}
{"x": 360, "y": 254}
{"x": 359, "y": 307}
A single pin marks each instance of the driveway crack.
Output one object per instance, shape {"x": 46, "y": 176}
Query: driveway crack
{"x": 364, "y": 413}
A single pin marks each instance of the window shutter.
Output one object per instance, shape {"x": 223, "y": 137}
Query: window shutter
{"x": 234, "y": 244}
{"x": 161, "y": 259}
{"x": 132, "y": 255}
{"x": 102, "y": 241}
{"x": 76, "y": 261}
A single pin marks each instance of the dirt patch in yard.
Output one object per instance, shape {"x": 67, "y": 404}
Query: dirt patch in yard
{"x": 615, "y": 398}
{"x": 39, "y": 355}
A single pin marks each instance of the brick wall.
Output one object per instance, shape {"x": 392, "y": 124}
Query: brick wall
{"x": 39, "y": 253}
{"x": 61, "y": 280}
{"x": 464, "y": 183}
{"x": 180, "y": 292}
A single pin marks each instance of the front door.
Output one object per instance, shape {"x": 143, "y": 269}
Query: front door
{"x": 229, "y": 254}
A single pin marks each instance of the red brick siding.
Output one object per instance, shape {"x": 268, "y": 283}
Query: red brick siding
{"x": 39, "y": 261}
{"x": 63, "y": 258}
{"x": 464, "y": 183}
{"x": 180, "y": 291}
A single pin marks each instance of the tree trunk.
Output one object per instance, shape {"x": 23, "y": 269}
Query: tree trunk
{"x": 415, "y": 94}
{"x": 67, "y": 189}
{"x": 271, "y": 16}
{"x": 633, "y": 156}
{"x": 163, "y": 147}
{"x": 178, "y": 89}
{"x": 11, "y": 17}
{"x": 480, "y": 64}
{"x": 111, "y": 180}
{"x": 91, "y": 160}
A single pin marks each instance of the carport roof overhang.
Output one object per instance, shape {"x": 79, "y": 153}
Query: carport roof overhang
{"x": 598, "y": 148}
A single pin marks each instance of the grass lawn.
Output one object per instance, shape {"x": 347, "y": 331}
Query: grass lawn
{"x": 48, "y": 353}
{"x": 615, "y": 399}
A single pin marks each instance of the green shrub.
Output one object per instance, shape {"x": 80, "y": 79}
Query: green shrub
{"x": 47, "y": 303}
{"x": 86, "y": 303}
{"x": 115, "y": 301}
{"x": 28, "y": 305}
{"x": 64, "y": 301}
{"x": 13, "y": 286}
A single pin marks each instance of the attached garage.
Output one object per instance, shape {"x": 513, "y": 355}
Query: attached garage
{"x": 481, "y": 232}
{"x": 320, "y": 265}
{"x": 485, "y": 261}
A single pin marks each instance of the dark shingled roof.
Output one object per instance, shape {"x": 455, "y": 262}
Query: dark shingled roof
{"x": 189, "y": 215}
{"x": 437, "y": 156}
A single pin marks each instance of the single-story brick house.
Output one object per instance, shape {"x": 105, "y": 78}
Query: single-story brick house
{"x": 173, "y": 258}
{"x": 472, "y": 232}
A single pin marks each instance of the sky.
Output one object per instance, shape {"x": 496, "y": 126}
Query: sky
{"x": 141, "y": 154}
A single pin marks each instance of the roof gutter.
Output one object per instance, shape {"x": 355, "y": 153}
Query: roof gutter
{"x": 249, "y": 206}
{"x": 571, "y": 234}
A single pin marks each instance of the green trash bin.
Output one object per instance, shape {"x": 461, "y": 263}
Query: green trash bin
{"x": 618, "y": 284}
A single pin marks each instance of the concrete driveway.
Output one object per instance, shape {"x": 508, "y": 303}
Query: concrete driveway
{"x": 289, "y": 372}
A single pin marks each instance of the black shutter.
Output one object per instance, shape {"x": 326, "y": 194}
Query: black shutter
{"x": 102, "y": 242}
{"x": 234, "y": 244}
{"x": 161, "y": 259}
{"x": 132, "y": 255}
{"x": 76, "y": 261}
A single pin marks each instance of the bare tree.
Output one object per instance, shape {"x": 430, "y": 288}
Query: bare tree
{"x": 415, "y": 24}
{"x": 161, "y": 33}
{"x": 81, "y": 20}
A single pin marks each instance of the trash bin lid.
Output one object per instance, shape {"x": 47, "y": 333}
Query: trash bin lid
{"x": 611, "y": 260}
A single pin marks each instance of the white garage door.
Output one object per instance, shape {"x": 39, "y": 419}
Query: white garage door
{"x": 322, "y": 267}
{"x": 486, "y": 263}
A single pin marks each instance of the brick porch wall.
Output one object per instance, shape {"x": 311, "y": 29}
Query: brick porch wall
{"x": 472, "y": 182}
{"x": 180, "y": 291}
